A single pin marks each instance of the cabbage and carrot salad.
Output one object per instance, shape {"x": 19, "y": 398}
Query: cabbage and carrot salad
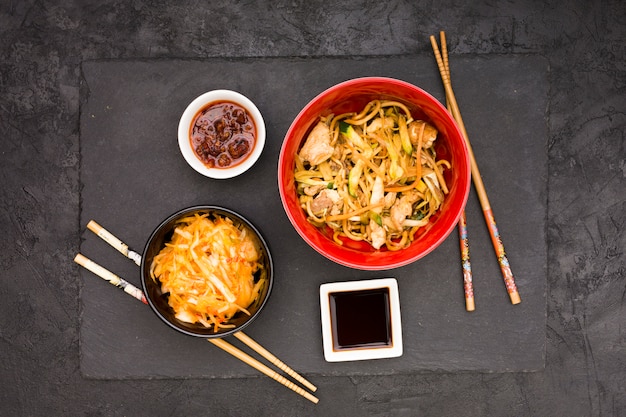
{"x": 208, "y": 268}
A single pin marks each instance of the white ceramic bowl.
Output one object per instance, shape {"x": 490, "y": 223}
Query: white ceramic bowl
{"x": 188, "y": 117}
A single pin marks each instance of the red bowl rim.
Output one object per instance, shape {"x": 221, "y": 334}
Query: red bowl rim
{"x": 375, "y": 260}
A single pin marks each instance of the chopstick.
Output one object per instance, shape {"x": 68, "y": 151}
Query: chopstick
{"x": 466, "y": 265}
{"x": 468, "y": 286}
{"x": 113, "y": 241}
{"x": 496, "y": 239}
{"x": 244, "y": 357}
{"x": 247, "y": 340}
{"x": 137, "y": 293}
{"x": 107, "y": 275}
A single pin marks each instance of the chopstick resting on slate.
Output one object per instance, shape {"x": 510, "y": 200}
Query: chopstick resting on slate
{"x": 138, "y": 294}
{"x": 107, "y": 275}
{"x": 468, "y": 286}
{"x": 466, "y": 266}
{"x": 113, "y": 241}
{"x": 496, "y": 239}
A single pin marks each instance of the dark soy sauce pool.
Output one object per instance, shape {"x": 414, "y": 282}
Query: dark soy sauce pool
{"x": 360, "y": 319}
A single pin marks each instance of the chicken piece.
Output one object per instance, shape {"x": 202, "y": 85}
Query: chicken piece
{"x": 327, "y": 201}
{"x": 248, "y": 251}
{"x": 399, "y": 212}
{"x": 402, "y": 208}
{"x": 380, "y": 123}
{"x": 378, "y": 234}
{"x": 311, "y": 190}
{"x": 334, "y": 165}
{"x": 389, "y": 199}
{"x": 317, "y": 147}
{"x": 430, "y": 133}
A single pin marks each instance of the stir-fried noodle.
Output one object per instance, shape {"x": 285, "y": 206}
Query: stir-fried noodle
{"x": 372, "y": 176}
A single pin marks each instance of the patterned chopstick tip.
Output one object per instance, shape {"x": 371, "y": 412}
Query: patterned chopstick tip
{"x": 505, "y": 267}
{"x": 468, "y": 286}
{"x": 109, "y": 276}
{"x": 465, "y": 261}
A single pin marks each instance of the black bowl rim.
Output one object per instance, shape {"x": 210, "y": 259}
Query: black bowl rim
{"x": 239, "y": 217}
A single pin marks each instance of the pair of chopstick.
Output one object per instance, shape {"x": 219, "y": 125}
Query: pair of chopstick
{"x": 239, "y": 354}
{"x": 496, "y": 240}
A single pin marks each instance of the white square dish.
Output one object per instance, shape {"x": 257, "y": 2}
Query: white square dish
{"x": 361, "y": 320}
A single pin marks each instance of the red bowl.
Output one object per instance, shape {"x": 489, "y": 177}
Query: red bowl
{"x": 353, "y": 95}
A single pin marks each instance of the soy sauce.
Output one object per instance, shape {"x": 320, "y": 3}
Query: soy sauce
{"x": 360, "y": 319}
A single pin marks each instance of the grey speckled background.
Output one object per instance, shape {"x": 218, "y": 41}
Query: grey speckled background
{"x": 43, "y": 44}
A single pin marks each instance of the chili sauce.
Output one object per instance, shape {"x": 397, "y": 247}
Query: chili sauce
{"x": 222, "y": 134}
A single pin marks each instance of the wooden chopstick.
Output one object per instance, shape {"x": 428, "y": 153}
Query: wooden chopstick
{"x": 468, "y": 286}
{"x": 244, "y": 357}
{"x": 496, "y": 239}
{"x": 113, "y": 241}
{"x": 106, "y": 275}
{"x": 273, "y": 359}
{"x": 109, "y": 276}
{"x": 466, "y": 265}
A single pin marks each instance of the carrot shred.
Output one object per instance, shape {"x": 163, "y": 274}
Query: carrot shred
{"x": 208, "y": 270}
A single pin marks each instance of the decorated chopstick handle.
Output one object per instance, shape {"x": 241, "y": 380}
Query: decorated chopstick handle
{"x": 468, "y": 286}
{"x": 139, "y": 295}
{"x": 466, "y": 266}
{"x": 507, "y": 274}
{"x": 111, "y": 277}
{"x": 113, "y": 241}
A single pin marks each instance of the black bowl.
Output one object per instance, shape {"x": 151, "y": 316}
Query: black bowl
{"x": 159, "y": 300}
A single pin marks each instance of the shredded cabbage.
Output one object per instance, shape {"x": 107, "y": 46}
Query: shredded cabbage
{"x": 208, "y": 270}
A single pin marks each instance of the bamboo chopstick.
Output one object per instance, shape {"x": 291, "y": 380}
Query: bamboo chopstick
{"x": 105, "y": 274}
{"x": 109, "y": 276}
{"x": 244, "y": 357}
{"x": 496, "y": 239}
{"x": 113, "y": 241}
{"x": 468, "y": 286}
{"x": 466, "y": 266}
{"x": 273, "y": 359}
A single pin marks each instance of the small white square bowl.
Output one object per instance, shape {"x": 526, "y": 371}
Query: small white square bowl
{"x": 365, "y": 351}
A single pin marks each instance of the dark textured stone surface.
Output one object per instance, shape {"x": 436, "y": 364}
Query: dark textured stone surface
{"x": 43, "y": 45}
{"x": 133, "y": 176}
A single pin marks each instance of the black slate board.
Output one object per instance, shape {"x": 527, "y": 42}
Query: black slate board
{"x": 133, "y": 176}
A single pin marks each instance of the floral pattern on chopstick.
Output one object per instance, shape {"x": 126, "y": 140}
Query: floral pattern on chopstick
{"x": 507, "y": 275}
